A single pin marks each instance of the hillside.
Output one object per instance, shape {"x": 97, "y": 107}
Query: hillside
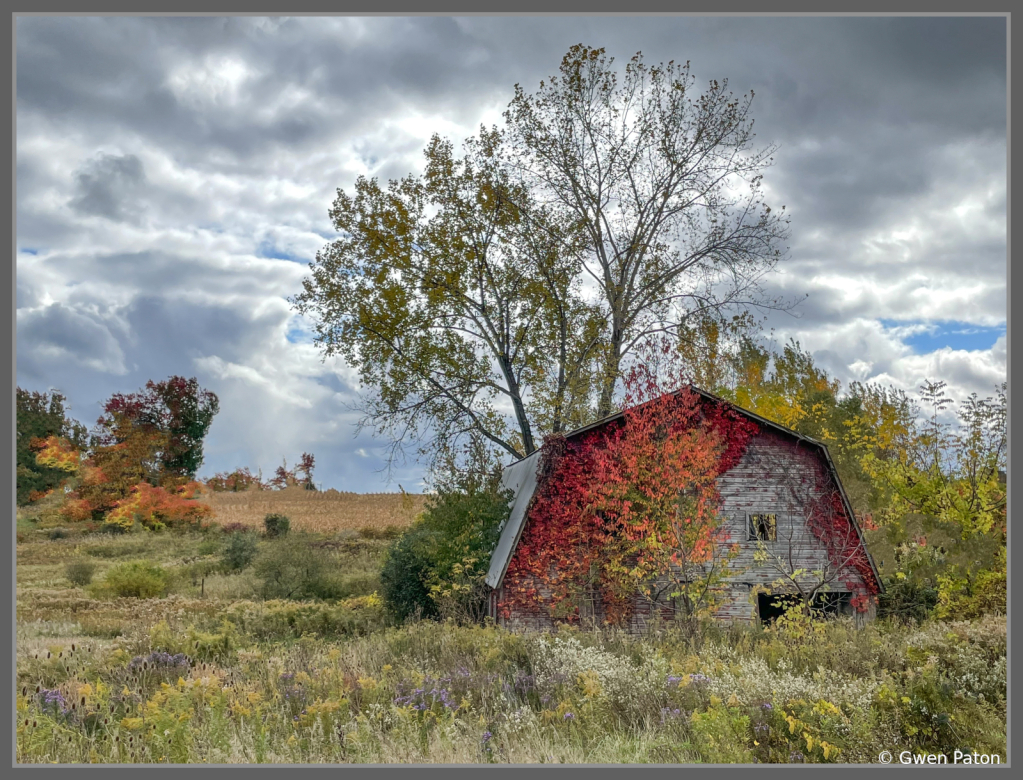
{"x": 316, "y": 511}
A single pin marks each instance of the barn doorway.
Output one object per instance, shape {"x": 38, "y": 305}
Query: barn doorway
{"x": 770, "y": 607}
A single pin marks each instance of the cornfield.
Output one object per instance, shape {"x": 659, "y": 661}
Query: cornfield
{"x": 312, "y": 510}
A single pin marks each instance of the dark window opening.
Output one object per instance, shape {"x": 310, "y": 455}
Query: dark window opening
{"x": 772, "y": 606}
{"x": 763, "y": 528}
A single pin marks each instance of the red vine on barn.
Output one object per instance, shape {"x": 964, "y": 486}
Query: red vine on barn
{"x": 829, "y": 521}
{"x": 609, "y": 514}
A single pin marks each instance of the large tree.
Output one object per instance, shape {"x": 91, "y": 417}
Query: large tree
{"x": 451, "y": 295}
{"x": 497, "y": 296}
{"x": 663, "y": 184}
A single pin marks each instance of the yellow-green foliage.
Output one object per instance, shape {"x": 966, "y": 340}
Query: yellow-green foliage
{"x": 136, "y": 579}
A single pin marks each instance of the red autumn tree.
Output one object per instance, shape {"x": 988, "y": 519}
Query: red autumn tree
{"x": 116, "y": 464}
{"x": 156, "y": 507}
{"x": 301, "y": 475}
{"x": 630, "y": 507}
{"x": 178, "y": 408}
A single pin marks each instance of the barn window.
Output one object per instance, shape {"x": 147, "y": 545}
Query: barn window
{"x": 762, "y": 528}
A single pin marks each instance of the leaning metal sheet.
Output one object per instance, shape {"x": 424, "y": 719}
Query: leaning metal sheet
{"x": 519, "y": 477}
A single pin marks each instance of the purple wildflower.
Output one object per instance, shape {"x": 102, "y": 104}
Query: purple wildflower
{"x": 569, "y": 716}
{"x": 53, "y": 701}
{"x": 159, "y": 661}
{"x": 486, "y": 737}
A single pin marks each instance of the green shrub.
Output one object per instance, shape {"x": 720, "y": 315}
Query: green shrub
{"x": 281, "y": 620}
{"x": 904, "y": 599}
{"x": 294, "y": 569}
{"x": 276, "y": 525}
{"x": 209, "y": 546}
{"x": 138, "y": 579}
{"x": 406, "y": 575}
{"x": 436, "y": 568}
{"x": 240, "y": 551}
{"x": 58, "y": 533}
{"x": 79, "y": 571}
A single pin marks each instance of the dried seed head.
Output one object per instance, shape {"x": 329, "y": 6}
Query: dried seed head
{"x": 117, "y": 739}
{"x": 72, "y": 647}
{"x": 83, "y": 701}
{"x": 47, "y": 653}
{"x": 106, "y": 721}
{"x": 26, "y": 721}
{"x": 34, "y": 724}
{"x": 60, "y": 654}
{"x": 38, "y": 688}
{"x": 24, "y": 690}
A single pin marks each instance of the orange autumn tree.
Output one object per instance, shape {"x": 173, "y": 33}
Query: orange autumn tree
{"x": 156, "y": 507}
{"x": 57, "y": 452}
{"x": 631, "y": 507}
{"x": 118, "y": 483}
{"x": 143, "y": 456}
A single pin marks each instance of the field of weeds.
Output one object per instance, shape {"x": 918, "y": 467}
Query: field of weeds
{"x": 316, "y": 511}
{"x": 216, "y": 670}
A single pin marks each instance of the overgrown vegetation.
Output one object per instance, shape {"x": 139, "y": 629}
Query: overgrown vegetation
{"x": 183, "y": 679}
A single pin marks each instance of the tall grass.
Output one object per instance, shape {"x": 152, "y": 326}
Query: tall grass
{"x": 216, "y": 674}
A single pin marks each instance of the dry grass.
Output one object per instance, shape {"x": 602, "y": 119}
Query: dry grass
{"x": 320, "y": 512}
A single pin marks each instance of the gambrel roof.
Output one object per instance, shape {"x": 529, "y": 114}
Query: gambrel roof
{"x": 521, "y": 478}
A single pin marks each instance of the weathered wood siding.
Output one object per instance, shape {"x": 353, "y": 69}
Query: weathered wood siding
{"x": 781, "y": 476}
{"x": 777, "y": 475}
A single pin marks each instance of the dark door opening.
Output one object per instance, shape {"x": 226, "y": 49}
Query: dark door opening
{"x": 771, "y": 606}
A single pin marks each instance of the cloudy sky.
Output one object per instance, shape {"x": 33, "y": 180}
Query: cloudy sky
{"x": 174, "y": 176}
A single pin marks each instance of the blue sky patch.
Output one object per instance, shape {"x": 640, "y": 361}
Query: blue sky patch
{"x": 957, "y": 335}
{"x": 269, "y": 250}
{"x": 299, "y": 336}
{"x": 29, "y": 251}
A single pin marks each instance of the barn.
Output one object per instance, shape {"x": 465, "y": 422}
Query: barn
{"x": 769, "y": 501}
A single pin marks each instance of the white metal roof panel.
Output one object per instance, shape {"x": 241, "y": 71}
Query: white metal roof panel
{"x": 519, "y": 477}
